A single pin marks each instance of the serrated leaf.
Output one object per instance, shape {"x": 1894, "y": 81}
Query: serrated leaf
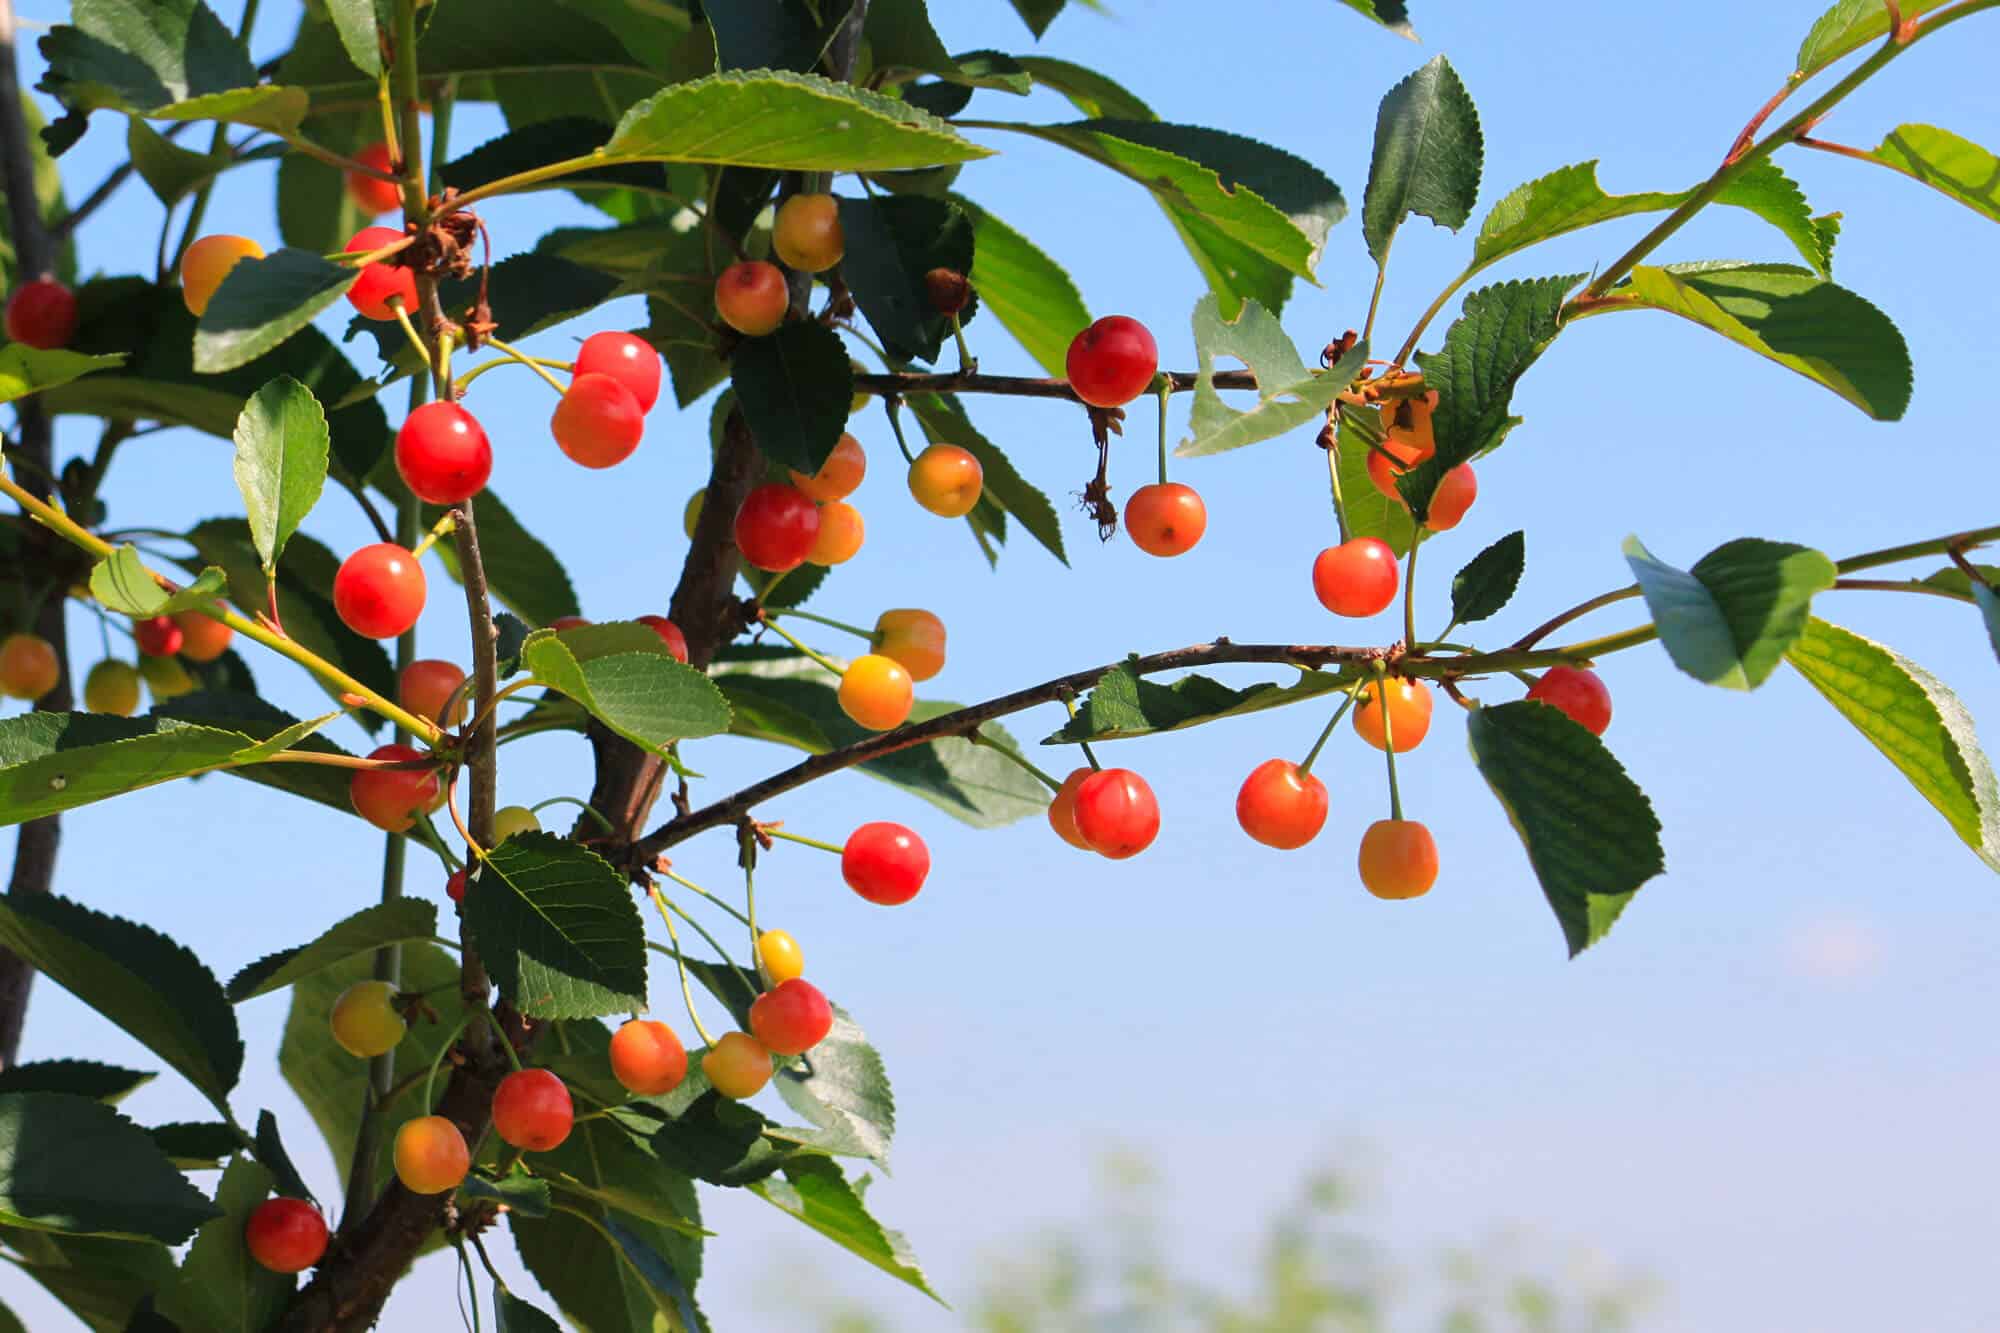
{"x": 1591, "y": 834}
{"x": 80, "y": 1078}
{"x": 1729, "y": 620}
{"x": 72, "y": 1165}
{"x": 558, "y": 929}
{"x": 1955, "y": 167}
{"x": 627, "y": 1200}
{"x": 50, "y": 762}
{"x": 270, "y": 1149}
{"x": 237, "y": 711}
{"x": 26, "y": 370}
{"x": 367, "y": 930}
{"x": 1028, "y": 292}
{"x": 1094, "y": 94}
{"x": 817, "y": 1193}
{"x": 98, "y": 1279}
{"x": 196, "y": 1145}
{"x": 1124, "y": 704}
{"x": 1847, "y": 27}
{"x": 1391, "y": 14}
{"x": 150, "y": 986}
{"x": 263, "y": 302}
{"x": 511, "y": 1314}
{"x": 1914, "y": 720}
{"x": 892, "y": 241}
{"x": 220, "y": 1288}
{"x": 1793, "y": 317}
{"x": 142, "y": 56}
{"x": 525, "y": 1194}
{"x": 795, "y": 387}
{"x": 361, "y": 33}
{"x": 121, "y": 582}
{"x": 268, "y": 106}
{"x": 281, "y": 458}
{"x": 635, "y": 688}
{"x": 1486, "y": 584}
{"x": 1427, "y": 158}
{"x": 944, "y": 421}
{"x": 169, "y": 170}
{"x": 1038, "y": 14}
{"x": 1288, "y": 394}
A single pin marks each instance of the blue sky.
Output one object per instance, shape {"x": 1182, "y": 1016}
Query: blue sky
{"x": 1768, "y": 1088}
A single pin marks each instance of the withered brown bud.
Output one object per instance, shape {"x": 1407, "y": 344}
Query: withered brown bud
{"x": 948, "y": 289}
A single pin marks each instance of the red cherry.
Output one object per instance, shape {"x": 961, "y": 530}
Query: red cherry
{"x": 443, "y": 454}
{"x": 885, "y": 863}
{"x": 1111, "y": 362}
{"x": 159, "y": 636}
{"x": 378, "y": 282}
{"x": 625, "y": 357}
{"x": 454, "y": 888}
{"x": 677, "y": 643}
{"x": 379, "y": 591}
{"x": 371, "y": 194}
{"x": 532, "y": 1110}
{"x": 1356, "y": 578}
{"x": 285, "y": 1235}
{"x": 1062, "y": 808}
{"x": 1166, "y": 518}
{"x": 791, "y": 1018}
{"x": 1280, "y": 806}
{"x": 41, "y": 313}
{"x": 1456, "y": 491}
{"x": 392, "y": 798}
{"x": 1116, "y": 813}
{"x": 598, "y": 423}
{"x": 776, "y": 527}
{"x": 1579, "y": 693}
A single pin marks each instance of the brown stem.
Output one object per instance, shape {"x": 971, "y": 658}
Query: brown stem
{"x": 1022, "y": 386}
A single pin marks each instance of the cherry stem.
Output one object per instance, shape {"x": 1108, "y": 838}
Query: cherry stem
{"x": 894, "y": 407}
{"x": 986, "y": 742}
{"x": 687, "y": 883}
{"x": 506, "y": 1042}
{"x": 1069, "y": 702}
{"x": 1326, "y": 732}
{"x": 1375, "y": 298}
{"x": 967, "y": 362}
{"x": 687, "y": 990}
{"x": 746, "y": 842}
{"x": 430, "y": 1079}
{"x": 395, "y": 304}
{"x": 1165, "y": 391}
{"x": 442, "y": 528}
{"x": 799, "y": 644}
{"x": 1333, "y": 483}
{"x": 582, "y": 805}
{"x": 460, "y": 385}
{"x": 1410, "y": 588}
{"x": 528, "y": 361}
{"x": 1577, "y": 612}
{"x": 1388, "y": 739}
{"x": 776, "y": 831}
{"x": 506, "y": 692}
{"x": 827, "y": 621}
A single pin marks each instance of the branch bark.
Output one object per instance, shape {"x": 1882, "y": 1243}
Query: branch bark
{"x": 1022, "y": 386}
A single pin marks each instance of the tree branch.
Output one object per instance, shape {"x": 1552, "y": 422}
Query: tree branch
{"x": 1022, "y": 386}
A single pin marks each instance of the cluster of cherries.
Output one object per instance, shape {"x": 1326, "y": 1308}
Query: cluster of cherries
{"x": 29, "y": 668}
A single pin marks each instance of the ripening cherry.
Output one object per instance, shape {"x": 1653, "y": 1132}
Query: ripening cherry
{"x": 426, "y": 685}
{"x": 737, "y": 1066}
{"x": 285, "y": 1235}
{"x": 841, "y": 532}
{"x": 1456, "y": 491}
{"x": 1062, "y": 808}
{"x": 203, "y": 637}
{"x": 876, "y": 692}
{"x": 1399, "y": 859}
{"x": 776, "y": 527}
{"x": 365, "y": 1020}
{"x": 1409, "y": 704}
{"x": 561, "y": 623}
{"x": 371, "y": 194}
{"x": 625, "y": 357}
{"x": 392, "y": 798}
{"x": 670, "y": 634}
{"x": 947, "y": 480}
{"x": 532, "y": 1110}
{"x": 1579, "y": 693}
{"x": 1390, "y": 460}
{"x": 839, "y": 476}
{"x": 442, "y": 454}
{"x": 913, "y": 637}
{"x": 1357, "y": 577}
{"x": 752, "y": 297}
{"x": 165, "y": 677}
{"x": 41, "y": 313}
{"x": 807, "y": 233}
{"x": 885, "y": 863}
{"x": 158, "y": 636}
{"x": 431, "y": 1156}
{"x": 379, "y": 591}
{"x": 1410, "y": 421}
{"x": 948, "y": 290}
{"x": 454, "y": 887}
{"x": 1281, "y": 807}
{"x": 791, "y": 1018}
{"x": 1166, "y": 518}
{"x": 692, "y": 514}
{"x": 207, "y": 262}
{"x": 1111, "y": 362}
{"x": 379, "y": 282}
{"x": 1116, "y": 813}
{"x": 647, "y": 1058}
{"x": 510, "y": 820}
{"x": 112, "y": 687}
{"x": 778, "y": 957}
{"x": 28, "y": 666}
{"x": 598, "y": 423}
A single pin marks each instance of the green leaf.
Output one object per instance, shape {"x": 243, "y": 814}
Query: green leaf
{"x": 629, "y": 1201}
{"x": 101, "y": 1280}
{"x": 361, "y": 33}
{"x": 1955, "y": 167}
{"x": 122, "y": 582}
{"x": 73, "y": 1165}
{"x": 220, "y": 1288}
{"x": 518, "y": 1190}
{"x": 152, "y": 987}
{"x": 944, "y": 421}
{"x": 634, "y": 687}
{"x": 795, "y": 387}
{"x": 51, "y": 762}
{"x": 371, "y": 928}
{"x": 1486, "y": 584}
{"x": 1037, "y": 14}
{"x": 1288, "y": 395}
{"x": 892, "y": 242}
{"x": 1849, "y": 26}
{"x": 263, "y": 302}
{"x": 520, "y": 568}
{"x": 1794, "y": 317}
{"x": 25, "y": 370}
{"x": 1914, "y": 720}
{"x": 281, "y": 457}
{"x": 270, "y": 1150}
{"x": 1095, "y": 95}
{"x": 1391, "y": 14}
{"x": 1369, "y": 512}
{"x": 81, "y": 1078}
{"x": 236, "y": 711}
{"x": 1028, "y": 292}
{"x": 1730, "y": 620}
{"x": 842, "y": 1088}
{"x": 532, "y": 146}
{"x": 196, "y": 1145}
{"x": 511, "y": 1314}
{"x": 1124, "y": 704}
{"x": 1427, "y": 159}
{"x": 1591, "y": 834}
{"x": 817, "y": 1193}
{"x": 169, "y": 170}
{"x": 558, "y": 929}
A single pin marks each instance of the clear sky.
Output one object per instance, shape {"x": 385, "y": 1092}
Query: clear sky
{"x": 1772, "y": 1087}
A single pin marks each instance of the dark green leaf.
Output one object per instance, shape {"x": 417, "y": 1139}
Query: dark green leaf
{"x": 795, "y": 387}
{"x": 1125, "y": 704}
{"x": 1730, "y": 620}
{"x": 25, "y": 370}
{"x": 1088, "y": 91}
{"x": 169, "y": 170}
{"x": 1989, "y": 611}
{"x": 1027, "y": 291}
{"x": 1914, "y": 720}
{"x": 263, "y": 302}
{"x": 1288, "y": 395}
{"x": 841, "y": 1087}
{"x": 235, "y": 711}
{"x": 153, "y": 988}
{"x": 1849, "y": 26}
{"x": 102, "y": 1281}
{"x": 558, "y": 929}
{"x": 1037, "y": 14}
{"x": 122, "y": 582}
{"x": 1391, "y": 14}
{"x": 944, "y": 421}
{"x": 51, "y": 762}
{"x": 712, "y": 1138}
{"x": 362, "y": 31}
{"x": 367, "y": 930}
{"x": 1427, "y": 159}
{"x": 510, "y": 632}
{"x": 511, "y": 1314}
{"x": 196, "y": 1145}
{"x": 74, "y": 1165}
{"x": 80, "y": 1078}
{"x": 817, "y": 1193}
{"x": 1953, "y": 166}
{"x": 891, "y": 243}
{"x": 766, "y": 34}
{"x": 525, "y": 1194}
{"x": 281, "y": 458}
{"x": 633, "y": 686}
{"x": 1487, "y": 583}
{"x": 1591, "y": 834}
{"x": 220, "y": 1288}
{"x": 270, "y": 1150}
